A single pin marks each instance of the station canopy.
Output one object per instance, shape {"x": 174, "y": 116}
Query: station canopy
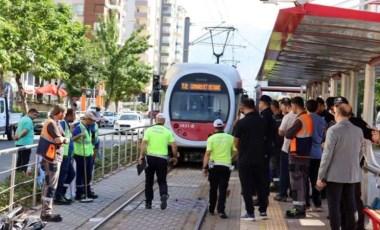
{"x": 311, "y": 43}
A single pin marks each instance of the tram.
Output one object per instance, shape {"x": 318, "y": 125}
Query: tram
{"x": 195, "y": 96}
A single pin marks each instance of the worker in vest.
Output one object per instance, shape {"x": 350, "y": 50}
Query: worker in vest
{"x": 50, "y": 148}
{"x": 94, "y": 127}
{"x": 155, "y": 147}
{"x": 217, "y": 163}
{"x": 67, "y": 172}
{"x": 299, "y": 153}
{"x": 83, "y": 153}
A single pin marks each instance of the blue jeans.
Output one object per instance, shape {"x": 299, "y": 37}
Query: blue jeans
{"x": 284, "y": 174}
{"x": 66, "y": 176}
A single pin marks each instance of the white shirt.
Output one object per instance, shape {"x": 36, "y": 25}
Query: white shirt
{"x": 286, "y": 123}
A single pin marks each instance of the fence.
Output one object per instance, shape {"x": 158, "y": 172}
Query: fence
{"x": 19, "y": 189}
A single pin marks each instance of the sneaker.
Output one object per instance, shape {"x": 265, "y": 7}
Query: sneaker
{"x": 148, "y": 205}
{"x": 51, "y": 217}
{"x": 92, "y": 196}
{"x": 318, "y": 209}
{"x": 295, "y": 214}
{"x": 248, "y": 217}
{"x": 164, "y": 199}
{"x": 61, "y": 201}
{"x": 80, "y": 197}
{"x": 273, "y": 188}
{"x": 223, "y": 215}
{"x": 69, "y": 200}
{"x": 211, "y": 210}
{"x": 280, "y": 198}
{"x": 308, "y": 209}
{"x": 263, "y": 215}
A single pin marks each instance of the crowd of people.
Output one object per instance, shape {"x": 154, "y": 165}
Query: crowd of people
{"x": 60, "y": 142}
{"x": 300, "y": 149}
{"x": 294, "y": 147}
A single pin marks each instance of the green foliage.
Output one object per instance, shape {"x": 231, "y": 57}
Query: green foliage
{"x": 38, "y": 36}
{"x": 24, "y": 189}
{"x": 124, "y": 73}
{"x": 17, "y": 108}
{"x": 108, "y": 155}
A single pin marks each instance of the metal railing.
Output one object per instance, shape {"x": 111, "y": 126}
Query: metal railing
{"x": 20, "y": 189}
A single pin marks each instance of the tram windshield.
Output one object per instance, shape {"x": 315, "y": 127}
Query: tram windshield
{"x": 199, "y": 106}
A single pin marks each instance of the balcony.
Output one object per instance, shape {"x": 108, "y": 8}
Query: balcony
{"x": 141, "y": 15}
{"x": 141, "y": 2}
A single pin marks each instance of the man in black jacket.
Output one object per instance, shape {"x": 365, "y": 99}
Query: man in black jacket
{"x": 250, "y": 134}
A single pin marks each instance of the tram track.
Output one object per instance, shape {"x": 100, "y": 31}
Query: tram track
{"x": 192, "y": 204}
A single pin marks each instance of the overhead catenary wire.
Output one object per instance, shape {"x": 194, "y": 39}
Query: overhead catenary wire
{"x": 250, "y": 43}
{"x": 196, "y": 40}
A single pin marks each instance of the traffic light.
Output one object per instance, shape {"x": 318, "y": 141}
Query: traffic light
{"x": 156, "y": 96}
{"x": 156, "y": 82}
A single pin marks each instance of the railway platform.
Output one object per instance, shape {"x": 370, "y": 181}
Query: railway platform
{"x": 187, "y": 206}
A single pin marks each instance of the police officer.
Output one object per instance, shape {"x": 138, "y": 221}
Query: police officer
{"x": 51, "y": 149}
{"x": 155, "y": 147}
{"x": 300, "y": 146}
{"x": 67, "y": 172}
{"x": 83, "y": 153}
{"x": 218, "y": 159}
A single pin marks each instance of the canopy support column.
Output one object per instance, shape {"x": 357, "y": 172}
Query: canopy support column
{"x": 319, "y": 90}
{"x": 324, "y": 90}
{"x": 333, "y": 87}
{"x": 308, "y": 91}
{"x": 369, "y": 94}
{"x": 344, "y": 85}
{"x": 353, "y": 93}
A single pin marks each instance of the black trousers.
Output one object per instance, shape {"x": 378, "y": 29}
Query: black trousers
{"x": 158, "y": 166}
{"x": 341, "y": 201}
{"x": 83, "y": 176}
{"x": 218, "y": 177}
{"x": 23, "y": 157}
{"x": 284, "y": 174}
{"x": 359, "y": 208}
{"x": 313, "y": 176}
{"x": 254, "y": 176}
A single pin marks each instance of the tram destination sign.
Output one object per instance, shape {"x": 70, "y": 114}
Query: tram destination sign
{"x": 201, "y": 86}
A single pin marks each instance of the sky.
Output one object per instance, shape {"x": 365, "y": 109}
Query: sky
{"x": 253, "y": 21}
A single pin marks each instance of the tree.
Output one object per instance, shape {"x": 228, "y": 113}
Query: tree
{"x": 123, "y": 70}
{"x": 45, "y": 36}
{"x": 84, "y": 67}
{"x": 7, "y": 33}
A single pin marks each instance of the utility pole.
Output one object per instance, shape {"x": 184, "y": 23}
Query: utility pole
{"x": 186, "y": 42}
{"x": 160, "y": 37}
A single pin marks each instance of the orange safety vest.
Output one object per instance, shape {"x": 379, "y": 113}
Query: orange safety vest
{"x": 300, "y": 145}
{"x": 47, "y": 148}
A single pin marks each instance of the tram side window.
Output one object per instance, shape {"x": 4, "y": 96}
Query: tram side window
{"x": 2, "y": 106}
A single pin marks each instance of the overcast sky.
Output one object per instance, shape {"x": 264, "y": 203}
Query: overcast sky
{"x": 254, "y": 23}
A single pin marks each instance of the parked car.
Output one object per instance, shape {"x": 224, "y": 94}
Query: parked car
{"x": 8, "y": 120}
{"x": 128, "y": 120}
{"x": 38, "y": 122}
{"x": 110, "y": 118}
{"x": 155, "y": 112}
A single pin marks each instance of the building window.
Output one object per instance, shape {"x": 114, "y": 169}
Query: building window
{"x": 78, "y": 9}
